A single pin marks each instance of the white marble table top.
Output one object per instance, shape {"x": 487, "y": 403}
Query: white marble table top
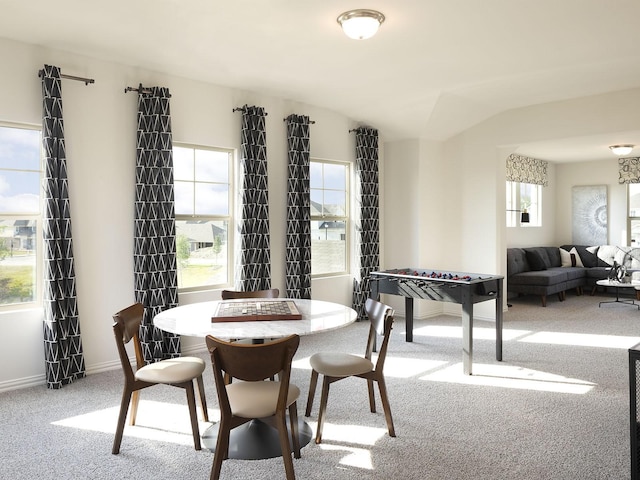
{"x": 614, "y": 283}
{"x": 194, "y": 320}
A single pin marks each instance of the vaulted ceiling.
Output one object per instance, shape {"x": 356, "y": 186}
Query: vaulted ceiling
{"x": 435, "y": 68}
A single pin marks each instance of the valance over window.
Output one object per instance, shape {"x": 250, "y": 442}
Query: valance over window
{"x": 629, "y": 170}
{"x": 527, "y": 170}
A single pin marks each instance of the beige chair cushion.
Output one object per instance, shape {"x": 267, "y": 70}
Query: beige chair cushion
{"x": 257, "y": 399}
{"x": 339, "y": 364}
{"x": 173, "y": 370}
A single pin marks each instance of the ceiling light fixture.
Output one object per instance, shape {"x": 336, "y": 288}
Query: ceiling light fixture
{"x": 360, "y": 24}
{"x": 621, "y": 149}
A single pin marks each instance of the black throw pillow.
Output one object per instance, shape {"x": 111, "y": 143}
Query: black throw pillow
{"x": 536, "y": 263}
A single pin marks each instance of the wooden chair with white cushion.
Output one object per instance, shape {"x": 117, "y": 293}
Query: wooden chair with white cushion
{"x": 252, "y": 397}
{"x": 178, "y": 372}
{"x": 334, "y": 366}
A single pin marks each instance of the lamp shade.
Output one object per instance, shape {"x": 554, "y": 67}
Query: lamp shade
{"x": 360, "y": 24}
{"x": 621, "y": 149}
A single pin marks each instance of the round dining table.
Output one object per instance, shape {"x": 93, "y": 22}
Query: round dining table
{"x": 258, "y": 438}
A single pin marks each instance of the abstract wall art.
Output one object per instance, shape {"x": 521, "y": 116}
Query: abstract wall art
{"x": 589, "y": 215}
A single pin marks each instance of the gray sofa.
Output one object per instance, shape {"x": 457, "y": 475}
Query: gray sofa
{"x": 547, "y": 271}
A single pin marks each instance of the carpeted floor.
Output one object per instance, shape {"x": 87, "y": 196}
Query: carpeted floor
{"x": 557, "y": 407}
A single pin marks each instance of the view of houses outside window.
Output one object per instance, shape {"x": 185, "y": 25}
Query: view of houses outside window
{"x": 329, "y": 183}
{"x": 203, "y": 193}
{"x": 20, "y": 184}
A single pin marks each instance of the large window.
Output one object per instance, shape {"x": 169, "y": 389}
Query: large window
{"x": 633, "y": 227}
{"x": 20, "y": 223}
{"x": 203, "y": 195}
{"x": 329, "y": 183}
{"x": 521, "y": 198}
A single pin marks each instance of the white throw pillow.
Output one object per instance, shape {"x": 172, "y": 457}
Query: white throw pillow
{"x": 570, "y": 258}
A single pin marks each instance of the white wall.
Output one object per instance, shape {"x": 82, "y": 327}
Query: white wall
{"x": 100, "y": 125}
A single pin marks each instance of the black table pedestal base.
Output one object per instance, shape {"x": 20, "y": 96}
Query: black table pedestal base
{"x": 255, "y": 440}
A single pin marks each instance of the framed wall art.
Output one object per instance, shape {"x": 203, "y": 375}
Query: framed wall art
{"x": 589, "y": 215}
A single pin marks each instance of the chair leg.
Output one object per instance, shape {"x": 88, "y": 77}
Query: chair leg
{"x": 295, "y": 434}
{"x": 135, "y": 399}
{"x": 386, "y": 406}
{"x": 284, "y": 445}
{"x": 122, "y": 417}
{"x": 312, "y": 392}
{"x": 372, "y": 398}
{"x": 191, "y": 401}
{"x": 203, "y": 399}
{"x": 323, "y": 408}
{"x": 222, "y": 449}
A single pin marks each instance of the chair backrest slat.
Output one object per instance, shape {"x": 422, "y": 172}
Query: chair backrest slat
{"x": 253, "y": 362}
{"x": 232, "y": 294}
{"x": 381, "y": 318}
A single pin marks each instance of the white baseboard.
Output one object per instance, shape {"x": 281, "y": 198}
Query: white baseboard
{"x": 24, "y": 382}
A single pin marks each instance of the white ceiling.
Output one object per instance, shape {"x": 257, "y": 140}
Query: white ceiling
{"x": 435, "y": 68}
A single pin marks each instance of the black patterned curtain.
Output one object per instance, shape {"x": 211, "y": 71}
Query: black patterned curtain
{"x": 255, "y": 267}
{"x": 62, "y": 343}
{"x": 298, "y": 261}
{"x": 367, "y": 220}
{"x": 155, "y": 268}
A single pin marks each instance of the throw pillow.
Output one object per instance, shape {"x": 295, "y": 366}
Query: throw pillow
{"x": 570, "y": 258}
{"x": 536, "y": 263}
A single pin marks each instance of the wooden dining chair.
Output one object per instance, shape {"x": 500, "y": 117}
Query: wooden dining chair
{"x": 233, "y": 294}
{"x": 253, "y": 397}
{"x": 334, "y": 366}
{"x": 178, "y": 372}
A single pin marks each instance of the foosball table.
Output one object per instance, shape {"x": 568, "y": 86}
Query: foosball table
{"x": 465, "y": 289}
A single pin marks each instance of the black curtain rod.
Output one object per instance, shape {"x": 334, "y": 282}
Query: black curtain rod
{"x": 86, "y": 81}
{"x": 242, "y": 109}
{"x": 131, "y": 89}
{"x": 310, "y": 121}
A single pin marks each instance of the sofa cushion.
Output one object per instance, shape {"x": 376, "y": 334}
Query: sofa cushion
{"x": 570, "y": 258}
{"x": 516, "y": 261}
{"x": 535, "y": 260}
{"x": 606, "y": 255}
{"x": 548, "y": 277}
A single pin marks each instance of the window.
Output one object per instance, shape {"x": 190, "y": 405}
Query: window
{"x": 633, "y": 227}
{"x": 329, "y": 185}
{"x": 20, "y": 217}
{"x": 203, "y": 197}
{"x": 523, "y": 197}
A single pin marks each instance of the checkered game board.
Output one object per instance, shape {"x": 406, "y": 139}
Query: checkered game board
{"x": 256, "y": 310}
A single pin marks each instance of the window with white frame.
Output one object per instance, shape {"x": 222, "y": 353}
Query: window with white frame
{"x": 203, "y": 178}
{"x": 633, "y": 215}
{"x": 20, "y": 215}
{"x": 329, "y": 188}
{"x": 524, "y": 198}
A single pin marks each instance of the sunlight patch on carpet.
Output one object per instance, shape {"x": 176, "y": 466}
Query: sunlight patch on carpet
{"x": 353, "y": 434}
{"x": 354, "y": 457}
{"x": 480, "y": 333}
{"x": 582, "y": 340}
{"x": 511, "y": 376}
{"x": 159, "y": 421}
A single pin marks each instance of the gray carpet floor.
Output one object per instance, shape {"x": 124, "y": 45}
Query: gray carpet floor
{"x": 557, "y": 407}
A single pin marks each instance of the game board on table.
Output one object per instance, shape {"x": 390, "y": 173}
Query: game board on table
{"x": 256, "y": 310}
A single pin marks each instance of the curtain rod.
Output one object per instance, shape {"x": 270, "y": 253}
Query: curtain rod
{"x": 242, "y": 109}
{"x": 310, "y": 121}
{"x": 86, "y": 81}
